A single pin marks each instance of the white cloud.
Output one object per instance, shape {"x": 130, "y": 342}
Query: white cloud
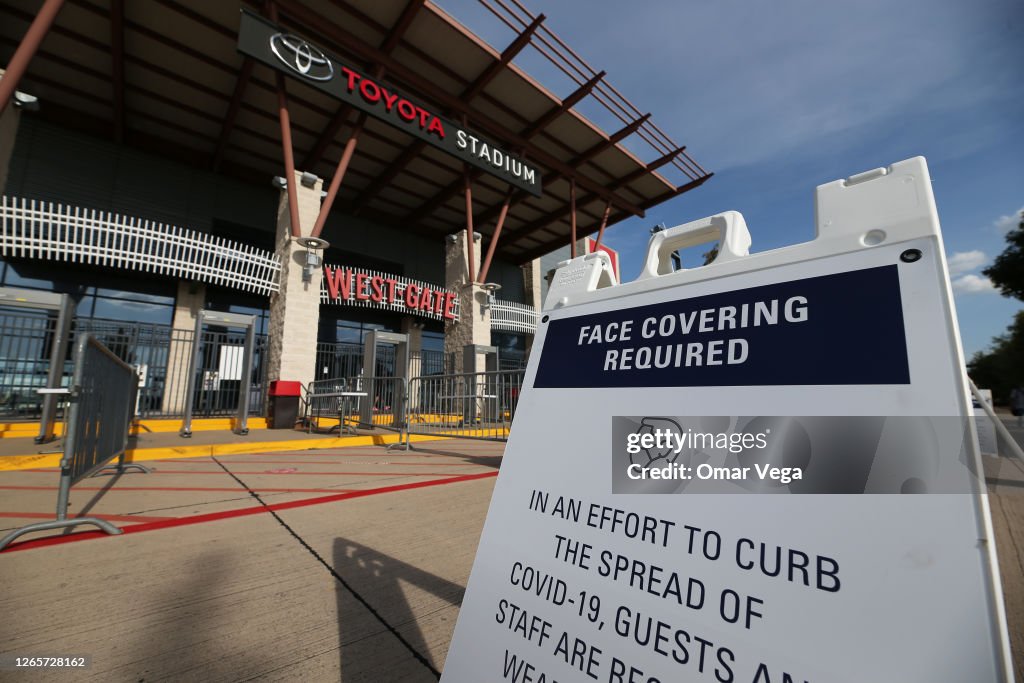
{"x": 965, "y": 261}
{"x": 973, "y": 284}
{"x": 1005, "y": 224}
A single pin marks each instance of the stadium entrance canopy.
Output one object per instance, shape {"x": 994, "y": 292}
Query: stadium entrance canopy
{"x": 168, "y": 76}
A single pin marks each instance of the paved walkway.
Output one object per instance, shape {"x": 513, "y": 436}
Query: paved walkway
{"x": 339, "y": 564}
{"x": 314, "y": 566}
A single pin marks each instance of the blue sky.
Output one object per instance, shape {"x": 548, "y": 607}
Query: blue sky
{"x": 779, "y": 97}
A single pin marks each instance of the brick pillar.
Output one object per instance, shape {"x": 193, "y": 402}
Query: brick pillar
{"x": 187, "y": 304}
{"x": 532, "y": 278}
{"x": 474, "y": 324}
{"x": 295, "y": 310}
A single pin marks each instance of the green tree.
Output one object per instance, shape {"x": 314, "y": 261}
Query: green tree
{"x": 1007, "y": 271}
{"x": 1001, "y": 368}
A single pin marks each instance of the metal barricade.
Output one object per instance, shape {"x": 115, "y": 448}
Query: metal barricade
{"x": 477, "y": 405}
{"x": 384, "y": 406}
{"x": 333, "y": 397}
{"x": 102, "y": 402}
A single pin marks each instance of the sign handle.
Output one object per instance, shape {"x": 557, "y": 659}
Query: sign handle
{"x": 728, "y": 228}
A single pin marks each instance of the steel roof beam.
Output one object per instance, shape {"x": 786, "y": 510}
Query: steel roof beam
{"x": 117, "y": 66}
{"x": 471, "y": 91}
{"x": 317, "y": 24}
{"x": 540, "y": 251}
{"x": 586, "y": 155}
{"x": 19, "y": 62}
{"x": 228, "y": 123}
{"x": 316, "y": 152}
{"x": 530, "y": 131}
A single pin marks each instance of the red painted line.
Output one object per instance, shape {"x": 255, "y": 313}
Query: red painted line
{"x": 292, "y": 474}
{"x": 368, "y": 454}
{"x": 330, "y": 462}
{"x": 236, "y": 489}
{"x": 109, "y": 518}
{"x": 243, "y": 512}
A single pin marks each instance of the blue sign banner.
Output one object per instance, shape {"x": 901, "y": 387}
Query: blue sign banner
{"x": 845, "y": 328}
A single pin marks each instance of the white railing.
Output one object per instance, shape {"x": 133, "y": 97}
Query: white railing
{"x": 44, "y": 230}
{"x": 424, "y": 299}
{"x": 512, "y": 317}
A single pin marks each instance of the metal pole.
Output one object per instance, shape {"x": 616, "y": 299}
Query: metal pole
{"x": 190, "y": 385}
{"x": 26, "y": 50}
{"x": 572, "y": 209}
{"x": 62, "y": 496}
{"x": 58, "y": 352}
{"x": 369, "y": 372}
{"x": 494, "y": 238}
{"x": 286, "y": 141}
{"x": 289, "y": 157}
{"x": 339, "y": 175}
{"x": 469, "y": 224}
{"x": 604, "y": 224}
{"x": 246, "y": 388}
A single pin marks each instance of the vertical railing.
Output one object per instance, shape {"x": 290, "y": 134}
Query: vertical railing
{"x": 43, "y": 230}
{"x": 25, "y": 341}
{"x": 102, "y": 399}
{"x": 477, "y": 405}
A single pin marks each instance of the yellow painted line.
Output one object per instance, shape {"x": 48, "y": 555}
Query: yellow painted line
{"x": 10, "y": 463}
{"x": 20, "y": 430}
{"x": 202, "y": 425}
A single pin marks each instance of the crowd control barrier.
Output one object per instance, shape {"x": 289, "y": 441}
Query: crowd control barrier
{"x": 101, "y": 406}
{"x": 334, "y": 398}
{"x": 474, "y": 405}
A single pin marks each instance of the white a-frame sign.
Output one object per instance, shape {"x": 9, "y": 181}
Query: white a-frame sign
{"x": 757, "y": 471}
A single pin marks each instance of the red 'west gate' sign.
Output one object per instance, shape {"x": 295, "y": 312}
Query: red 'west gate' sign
{"x": 349, "y": 284}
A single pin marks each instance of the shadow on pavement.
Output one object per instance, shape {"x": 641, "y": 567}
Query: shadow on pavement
{"x": 493, "y": 462}
{"x": 370, "y": 580}
{"x": 179, "y": 640}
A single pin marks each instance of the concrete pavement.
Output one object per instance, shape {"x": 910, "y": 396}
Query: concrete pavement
{"x": 355, "y": 571}
{"x": 340, "y": 564}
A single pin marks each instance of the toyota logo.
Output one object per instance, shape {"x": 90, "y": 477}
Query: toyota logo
{"x": 301, "y": 57}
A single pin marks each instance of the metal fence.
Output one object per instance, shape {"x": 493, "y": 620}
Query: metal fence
{"x": 55, "y": 232}
{"x": 477, "y": 405}
{"x": 101, "y": 398}
{"x": 345, "y": 359}
{"x": 218, "y": 380}
{"x": 25, "y": 343}
{"x": 160, "y": 353}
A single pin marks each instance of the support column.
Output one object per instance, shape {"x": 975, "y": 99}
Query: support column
{"x": 474, "y": 324}
{"x": 532, "y": 278}
{"x": 295, "y": 310}
{"x": 187, "y": 304}
{"x": 8, "y": 133}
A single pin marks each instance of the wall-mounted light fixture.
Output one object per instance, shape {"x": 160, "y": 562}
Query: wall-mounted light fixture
{"x": 490, "y": 288}
{"x": 313, "y": 260}
{"x": 26, "y": 102}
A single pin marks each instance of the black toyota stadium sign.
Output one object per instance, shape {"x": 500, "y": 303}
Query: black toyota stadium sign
{"x": 297, "y": 57}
